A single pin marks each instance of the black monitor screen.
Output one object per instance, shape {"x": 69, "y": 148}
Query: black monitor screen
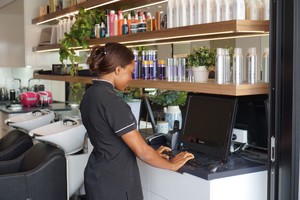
{"x": 208, "y": 123}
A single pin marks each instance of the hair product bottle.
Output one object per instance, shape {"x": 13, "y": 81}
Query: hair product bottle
{"x": 185, "y": 13}
{"x": 239, "y": 10}
{"x": 218, "y": 10}
{"x": 192, "y": 11}
{"x": 208, "y": 11}
{"x": 177, "y": 14}
{"x": 252, "y": 65}
{"x": 238, "y": 65}
{"x": 220, "y": 66}
{"x": 265, "y": 66}
{"x": 227, "y": 10}
{"x": 199, "y": 11}
{"x": 170, "y": 14}
{"x": 112, "y": 23}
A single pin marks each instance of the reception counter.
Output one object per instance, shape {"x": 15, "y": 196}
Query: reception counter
{"x": 245, "y": 183}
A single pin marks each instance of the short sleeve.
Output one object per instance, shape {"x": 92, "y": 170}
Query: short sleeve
{"x": 120, "y": 116}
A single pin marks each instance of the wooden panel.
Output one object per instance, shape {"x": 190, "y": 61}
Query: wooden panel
{"x": 210, "y": 87}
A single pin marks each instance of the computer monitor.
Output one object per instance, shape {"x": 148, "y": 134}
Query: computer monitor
{"x": 252, "y": 116}
{"x": 208, "y": 123}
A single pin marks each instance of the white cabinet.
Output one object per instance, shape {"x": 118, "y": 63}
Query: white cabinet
{"x": 159, "y": 184}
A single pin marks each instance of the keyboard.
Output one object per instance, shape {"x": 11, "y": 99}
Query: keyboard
{"x": 199, "y": 160}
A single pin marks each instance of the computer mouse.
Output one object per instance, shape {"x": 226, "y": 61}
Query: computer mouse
{"x": 213, "y": 168}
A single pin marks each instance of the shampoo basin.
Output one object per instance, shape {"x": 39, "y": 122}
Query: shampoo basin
{"x": 67, "y": 134}
{"x": 31, "y": 120}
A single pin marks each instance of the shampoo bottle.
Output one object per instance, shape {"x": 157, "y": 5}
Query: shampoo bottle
{"x": 239, "y": 10}
{"x": 192, "y": 11}
{"x": 227, "y": 10}
{"x": 199, "y": 12}
{"x": 170, "y": 14}
{"x": 208, "y": 11}
{"x": 185, "y": 13}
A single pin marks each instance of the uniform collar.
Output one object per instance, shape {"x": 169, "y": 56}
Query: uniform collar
{"x": 103, "y": 82}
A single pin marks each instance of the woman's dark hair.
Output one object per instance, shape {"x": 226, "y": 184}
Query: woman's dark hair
{"x": 105, "y": 59}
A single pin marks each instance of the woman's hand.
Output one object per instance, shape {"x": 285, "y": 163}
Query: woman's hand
{"x": 161, "y": 151}
{"x": 180, "y": 159}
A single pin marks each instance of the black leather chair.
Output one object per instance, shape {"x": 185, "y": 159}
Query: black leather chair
{"x": 38, "y": 174}
{"x": 13, "y": 144}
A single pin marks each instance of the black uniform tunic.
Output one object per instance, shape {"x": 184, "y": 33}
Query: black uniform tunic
{"x": 112, "y": 172}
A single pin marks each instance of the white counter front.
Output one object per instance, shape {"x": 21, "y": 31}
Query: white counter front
{"x": 159, "y": 184}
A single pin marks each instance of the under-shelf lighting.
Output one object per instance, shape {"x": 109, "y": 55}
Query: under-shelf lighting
{"x": 144, "y": 6}
{"x": 140, "y": 42}
{"x": 102, "y": 4}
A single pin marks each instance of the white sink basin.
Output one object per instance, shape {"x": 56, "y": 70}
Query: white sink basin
{"x": 67, "y": 134}
{"x": 31, "y": 120}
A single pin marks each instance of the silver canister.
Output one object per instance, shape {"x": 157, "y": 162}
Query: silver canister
{"x": 227, "y": 70}
{"x": 220, "y": 66}
{"x": 238, "y": 65}
{"x": 252, "y": 66}
{"x": 170, "y": 67}
{"x": 181, "y": 69}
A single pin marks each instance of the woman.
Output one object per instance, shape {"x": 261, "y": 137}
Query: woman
{"x": 112, "y": 172}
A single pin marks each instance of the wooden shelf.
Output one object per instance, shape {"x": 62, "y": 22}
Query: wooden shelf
{"x": 216, "y": 30}
{"x": 210, "y": 87}
{"x": 118, "y": 5}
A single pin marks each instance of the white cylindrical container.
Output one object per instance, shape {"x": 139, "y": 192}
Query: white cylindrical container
{"x": 177, "y": 12}
{"x": 218, "y": 10}
{"x": 266, "y": 10}
{"x": 253, "y": 9}
{"x": 184, "y": 18}
{"x": 200, "y": 11}
{"x": 208, "y": 7}
{"x": 227, "y": 66}
{"x": 265, "y": 66}
{"x": 220, "y": 66}
{"x": 239, "y": 10}
{"x": 181, "y": 69}
{"x": 252, "y": 65}
{"x": 238, "y": 66}
{"x": 175, "y": 69}
{"x": 170, "y": 67}
{"x": 170, "y": 14}
{"x": 227, "y": 8}
{"x": 192, "y": 11}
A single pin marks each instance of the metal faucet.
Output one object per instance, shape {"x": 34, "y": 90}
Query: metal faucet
{"x": 29, "y": 82}
{"x": 16, "y": 79}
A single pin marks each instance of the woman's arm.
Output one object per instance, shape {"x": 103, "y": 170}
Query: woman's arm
{"x": 147, "y": 154}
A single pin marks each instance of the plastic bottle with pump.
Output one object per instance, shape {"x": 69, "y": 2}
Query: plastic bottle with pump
{"x": 252, "y": 65}
{"x": 227, "y": 10}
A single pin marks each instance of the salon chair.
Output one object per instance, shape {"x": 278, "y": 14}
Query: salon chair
{"x": 13, "y": 144}
{"x": 39, "y": 173}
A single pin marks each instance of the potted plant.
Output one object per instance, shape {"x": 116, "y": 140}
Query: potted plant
{"x": 199, "y": 61}
{"x": 81, "y": 31}
{"x": 172, "y": 100}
